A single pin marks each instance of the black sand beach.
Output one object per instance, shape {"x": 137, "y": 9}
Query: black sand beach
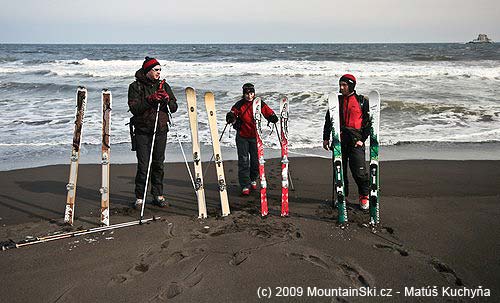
{"x": 440, "y": 227}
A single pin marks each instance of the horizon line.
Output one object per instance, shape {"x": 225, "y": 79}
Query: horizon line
{"x": 234, "y": 43}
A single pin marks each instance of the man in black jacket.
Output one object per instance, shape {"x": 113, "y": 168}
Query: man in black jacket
{"x": 354, "y": 130}
{"x": 144, "y": 95}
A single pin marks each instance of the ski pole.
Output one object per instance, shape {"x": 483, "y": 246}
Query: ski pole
{"x": 187, "y": 165}
{"x": 77, "y": 233}
{"x": 289, "y": 174}
{"x": 171, "y": 122}
{"x": 210, "y": 162}
{"x": 277, "y": 133}
{"x": 149, "y": 164}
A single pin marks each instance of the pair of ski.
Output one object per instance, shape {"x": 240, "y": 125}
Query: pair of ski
{"x": 198, "y": 172}
{"x": 338, "y": 184}
{"x": 81, "y": 105}
{"x": 283, "y": 138}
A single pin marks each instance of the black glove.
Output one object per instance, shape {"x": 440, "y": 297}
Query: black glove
{"x": 230, "y": 118}
{"x": 273, "y": 118}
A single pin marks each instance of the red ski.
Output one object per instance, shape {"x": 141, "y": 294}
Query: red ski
{"x": 257, "y": 115}
{"x": 284, "y": 156}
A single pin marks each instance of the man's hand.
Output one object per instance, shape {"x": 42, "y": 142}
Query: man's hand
{"x": 230, "y": 118}
{"x": 359, "y": 144}
{"x": 159, "y": 96}
{"x": 273, "y": 118}
{"x": 326, "y": 144}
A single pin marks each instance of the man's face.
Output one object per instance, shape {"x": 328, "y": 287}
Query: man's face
{"x": 344, "y": 88}
{"x": 154, "y": 73}
{"x": 249, "y": 96}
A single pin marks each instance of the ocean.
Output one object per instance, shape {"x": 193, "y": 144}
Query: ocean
{"x": 433, "y": 96}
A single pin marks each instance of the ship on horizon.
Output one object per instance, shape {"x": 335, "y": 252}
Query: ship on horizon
{"x": 481, "y": 38}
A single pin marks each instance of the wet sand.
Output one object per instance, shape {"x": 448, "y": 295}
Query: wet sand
{"x": 440, "y": 223}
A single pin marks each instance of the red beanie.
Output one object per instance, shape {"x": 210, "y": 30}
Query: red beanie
{"x": 350, "y": 80}
{"x": 149, "y": 63}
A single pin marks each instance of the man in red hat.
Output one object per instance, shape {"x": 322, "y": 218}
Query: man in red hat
{"x": 354, "y": 130}
{"x": 144, "y": 95}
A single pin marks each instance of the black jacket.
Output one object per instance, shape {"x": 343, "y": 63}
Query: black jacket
{"x": 145, "y": 112}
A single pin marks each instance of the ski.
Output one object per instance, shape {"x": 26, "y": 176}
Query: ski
{"x": 257, "y": 115}
{"x": 374, "y": 98}
{"x": 11, "y": 244}
{"x": 81, "y": 104}
{"x": 198, "y": 173}
{"x": 105, "y": 152}
{"x": 284, "y": 155}
{"x": 212, "y": 121}
{"x": 338, "y": 184}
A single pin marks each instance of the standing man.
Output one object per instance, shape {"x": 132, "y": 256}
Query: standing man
{"x": 241, "y": 116}
{"x": 354, "y": 130}
{"x": 144, "y": 95}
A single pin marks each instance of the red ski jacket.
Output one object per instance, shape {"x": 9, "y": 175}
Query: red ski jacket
{"x": 244, "y": 117}
{"x": 351, "y": 111}
{"x": 354, "y": 119}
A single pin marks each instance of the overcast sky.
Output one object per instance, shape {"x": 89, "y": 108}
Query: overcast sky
{"x": 252, "y": 21}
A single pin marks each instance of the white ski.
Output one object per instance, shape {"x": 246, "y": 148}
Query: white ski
{"x": 338, "y": 178}
{"x": 105, "y": 149}
{"x": 198, "y": 172}
{"x": 257, "y": 115}
{"x": 81, "y": 104}
{"x": 212, "y": 121}
{"x": 374, "y": 98}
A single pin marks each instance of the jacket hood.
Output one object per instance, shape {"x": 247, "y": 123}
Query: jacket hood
{"x": 141, "y": 77}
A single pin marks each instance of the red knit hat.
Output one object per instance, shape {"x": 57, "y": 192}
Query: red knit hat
{"x": 350, "y": 80}
{"x": 149, "y": 63}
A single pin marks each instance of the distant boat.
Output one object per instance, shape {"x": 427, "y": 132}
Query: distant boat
{"x": 481, "y": 38}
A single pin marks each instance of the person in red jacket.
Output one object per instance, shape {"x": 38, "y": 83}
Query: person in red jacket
{"x": 241, "y": 116}
{"x": 354, "y": 130}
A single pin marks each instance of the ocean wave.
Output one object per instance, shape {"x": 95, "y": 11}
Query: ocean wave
{"x": 42, "y": 72}
{"x": 42, "y": 87}
{"x": 88, "y": 68}
{"x": 7, "y": 59}
{"x": 33, "y": 122}
{"x": 438, "y": 143}
{"x": 476, "y": 112}
{"x": 33, "y": 144}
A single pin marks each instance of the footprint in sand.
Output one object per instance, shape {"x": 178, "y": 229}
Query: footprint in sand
{"x": 165, "y": 244}
{"x": 315, "y": 260}
{"x": 447, "y": 271}
{"x": 157, "y": 254}
{"x": 393, "y": 249}
{"x": 239, "y": 257}
{"x": 254, "y": 225}
{"x": 175, "y": 288}
{"x": 352, "y": 274}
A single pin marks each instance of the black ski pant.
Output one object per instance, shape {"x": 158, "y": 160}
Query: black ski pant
{"x": 355, "y": 157}
{"x": 143, "y": 150}
{"x": 248, "y": 161}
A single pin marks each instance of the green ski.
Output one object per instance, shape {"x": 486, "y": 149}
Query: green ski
{"x": 338, "y": 183}
{"x": 374, "y": 97}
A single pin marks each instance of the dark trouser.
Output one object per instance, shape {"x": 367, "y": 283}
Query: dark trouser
{"x": 248, "y": 161}
{"x": 142, "y": 152}
{"x": 355, "y": 157}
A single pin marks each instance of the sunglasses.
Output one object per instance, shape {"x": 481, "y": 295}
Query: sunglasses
{"x": 158, "y": 69}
